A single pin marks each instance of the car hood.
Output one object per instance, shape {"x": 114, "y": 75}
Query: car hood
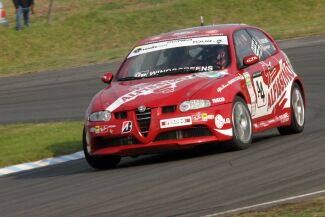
{"x": 151, "y": 92}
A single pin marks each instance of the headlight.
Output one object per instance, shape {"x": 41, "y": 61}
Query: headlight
{"x": 100, "y": 116}
{"x": 194, "y": 104}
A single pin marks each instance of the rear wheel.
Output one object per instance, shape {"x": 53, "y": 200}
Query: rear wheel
{"x": 297, "y": 113}
{"x": 242, "y": 125}
{"x": 99, "y": 162}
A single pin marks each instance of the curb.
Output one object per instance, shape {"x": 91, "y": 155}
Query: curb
{"x": 41, "y": 163}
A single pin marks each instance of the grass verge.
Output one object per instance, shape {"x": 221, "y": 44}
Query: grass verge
{"x": 87, "y": 31}
{"x": 310, "y": 208}
{"x": 21, "y": 143}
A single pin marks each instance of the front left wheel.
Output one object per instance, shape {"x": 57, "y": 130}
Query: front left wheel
{"x": 242, "y": 125}
{"x": 99, "y": 162}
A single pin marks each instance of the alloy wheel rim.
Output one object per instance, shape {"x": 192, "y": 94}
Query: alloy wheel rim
{"x": 242, "y": 123}
{"x": 298, "y": 107}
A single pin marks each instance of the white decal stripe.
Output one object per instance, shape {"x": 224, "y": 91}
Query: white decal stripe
{"x": 274, "y": 202}
{"x": 288, "y": 95}
{"x": 164, "y": 87}
{"x": 115, "y": 105}
{"x": 227, "y": 132}
{"x": 209, "y": 40}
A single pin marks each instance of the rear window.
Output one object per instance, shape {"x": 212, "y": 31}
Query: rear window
{"x": 263, "y": 42}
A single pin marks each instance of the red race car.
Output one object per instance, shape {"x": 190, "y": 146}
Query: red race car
{"x": 193, "y": 86}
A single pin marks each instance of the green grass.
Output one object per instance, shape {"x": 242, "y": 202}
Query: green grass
{"x": 95, "y": 31}
{"x": 310, "y": 208}
{"x": 30, "y": 142}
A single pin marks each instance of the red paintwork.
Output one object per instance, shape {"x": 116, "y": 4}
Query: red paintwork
{"x": 220, "y": 91}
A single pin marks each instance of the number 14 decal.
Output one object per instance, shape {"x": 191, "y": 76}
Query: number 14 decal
{"x": 261, "y": 91}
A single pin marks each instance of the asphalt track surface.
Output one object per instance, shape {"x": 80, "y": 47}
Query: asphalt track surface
{"x": 194, "y": 182}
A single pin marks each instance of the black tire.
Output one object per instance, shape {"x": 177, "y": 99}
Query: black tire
{"x": 297, "y": 122}
{"x": 238, "y": 142}
{"x": 99, "y": 162}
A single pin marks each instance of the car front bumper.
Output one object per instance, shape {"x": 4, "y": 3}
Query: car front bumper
{"x": 127, "y": 134}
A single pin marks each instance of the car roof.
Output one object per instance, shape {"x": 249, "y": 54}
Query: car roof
{"x": 200, "y": 31}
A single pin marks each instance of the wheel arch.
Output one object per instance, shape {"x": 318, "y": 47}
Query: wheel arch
{"x": 241, "y": 95}
{"x": 299, "y": 83}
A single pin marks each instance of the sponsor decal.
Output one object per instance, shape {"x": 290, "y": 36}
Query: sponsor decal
{"x": 210, "y": 40}
{"x": 251, "y": 92}
{"x": 277, "y": 119}
{"x": 220, "y": 121}
{"x": 202, "y": 117}
{"x": 184, "y": 33}
{"x": 279, "y": 84}
{"x": 283, "y": 118}
{"x": 127, "y": 126}
{"x": 137, "y": 50}
{"x": 101, "y": 129}
{"x": 214, "y": 31}
{"x": 247, "y": 79}
{"x": 251, "y": 59}
{"x": 257, "y": 74}
{"x": 149, "y": 73}
{"x": 164, "y": 87}
{"x": 218, "y": 100}
{"x": 213, "y": 74}
{"x": 175, "y": 122}
{"x": 230, "y": 82}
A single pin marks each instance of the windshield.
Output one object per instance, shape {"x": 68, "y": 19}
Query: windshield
{"x": 176, "y": 57}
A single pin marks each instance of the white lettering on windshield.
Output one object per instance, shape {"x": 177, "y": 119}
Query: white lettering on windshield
{"x": 147, "y": 73}
{"x": 209, "y": 40}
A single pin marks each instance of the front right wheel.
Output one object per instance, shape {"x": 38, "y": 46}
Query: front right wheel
{"x": 99, "y": 162}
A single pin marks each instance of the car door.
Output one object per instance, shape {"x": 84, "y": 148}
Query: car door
{"x": 270, "y": 60}
{"x": 254, "y": 74}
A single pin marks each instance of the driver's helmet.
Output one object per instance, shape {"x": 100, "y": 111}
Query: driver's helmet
{"x": 221, "y": 58}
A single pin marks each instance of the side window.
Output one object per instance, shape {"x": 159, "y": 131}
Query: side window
{"x": 243, "y": 46}
{"x": 261, "y": 40}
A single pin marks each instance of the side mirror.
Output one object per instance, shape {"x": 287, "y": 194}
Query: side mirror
{"x": 250, "y": 60}
{"x": 107, "y": 77}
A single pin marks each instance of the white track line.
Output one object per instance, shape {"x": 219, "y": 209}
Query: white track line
{"x": 265, "y": 204}
{"x": 41, "y": 163}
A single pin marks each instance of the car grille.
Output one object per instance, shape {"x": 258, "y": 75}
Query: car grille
{"x": 104, "y": 142}
{"x": 120, "y": 115}
{"x": 168, "y": 109}
{"x": 197, "y": 131}
{"x": 144, "y": 119}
